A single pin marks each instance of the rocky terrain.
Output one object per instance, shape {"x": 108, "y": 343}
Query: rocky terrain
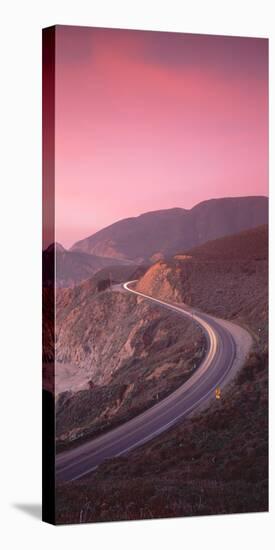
{"x": 163, "y": 233}
{"x": 217, "y": 460}
{"x": 133, "y": 353}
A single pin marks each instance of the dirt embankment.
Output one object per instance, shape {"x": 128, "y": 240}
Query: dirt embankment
{"x": 227, "y": 278}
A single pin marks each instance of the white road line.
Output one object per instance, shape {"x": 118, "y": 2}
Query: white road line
{"x": 205, "y": 365}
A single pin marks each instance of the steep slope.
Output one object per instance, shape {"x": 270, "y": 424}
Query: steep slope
{"x": 165, "y": 232}
{"x": 226, "y": 277}
{"x": 129, "y": 353}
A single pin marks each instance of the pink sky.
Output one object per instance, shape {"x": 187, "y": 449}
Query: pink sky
{"x": 148, "y": 120}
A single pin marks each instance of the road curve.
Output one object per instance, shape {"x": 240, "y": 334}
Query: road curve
{"x": 219, "y": 358}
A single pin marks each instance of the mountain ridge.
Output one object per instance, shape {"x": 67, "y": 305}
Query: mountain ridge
{"x": 165, "y": 232}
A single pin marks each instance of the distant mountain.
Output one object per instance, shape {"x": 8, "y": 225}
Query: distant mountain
{"x": 56, "y": 246}
{"x": 163, "y": 233}
{"x": 74, "y": 267}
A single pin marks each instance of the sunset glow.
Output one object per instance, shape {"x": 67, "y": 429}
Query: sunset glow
{"x": 149, "y": 120}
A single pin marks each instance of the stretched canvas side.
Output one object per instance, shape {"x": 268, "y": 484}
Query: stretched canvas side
{"x": 48, "y": 274}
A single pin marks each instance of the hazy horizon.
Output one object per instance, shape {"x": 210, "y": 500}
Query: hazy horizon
{"x": 147, "y": 212}
{"x": 149, "y": 120}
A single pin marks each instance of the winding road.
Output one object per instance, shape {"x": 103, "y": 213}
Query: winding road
{"x": 213, "y": 371}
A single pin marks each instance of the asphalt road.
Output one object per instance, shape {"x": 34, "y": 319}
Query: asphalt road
{"x": 219, "y": 358}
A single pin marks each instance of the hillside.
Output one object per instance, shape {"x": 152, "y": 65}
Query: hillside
{"x": 125, "y": 354}
{"x": 227, "y": 277}
{"x": 216, "y": 461}
{"x": 247, "y": 245}
{"x": 164, "y": 233}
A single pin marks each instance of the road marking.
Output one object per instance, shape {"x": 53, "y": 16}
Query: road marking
{"x": 201, "y": 370}
{"x": 150, "y": 436}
